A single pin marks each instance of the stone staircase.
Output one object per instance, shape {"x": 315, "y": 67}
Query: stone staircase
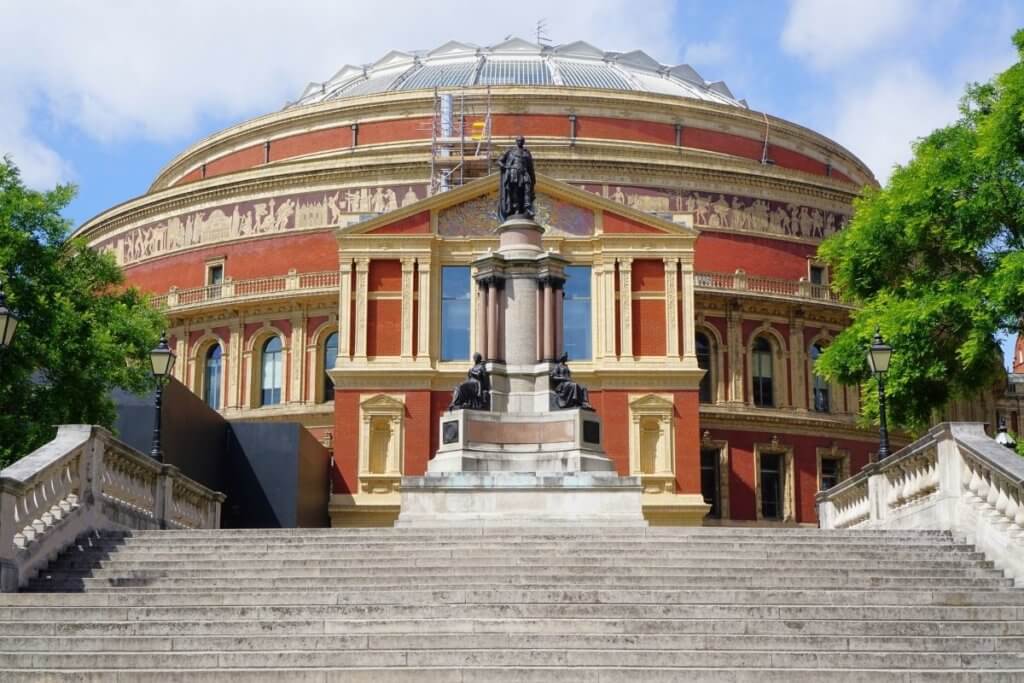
{"x": 595, "y": 605}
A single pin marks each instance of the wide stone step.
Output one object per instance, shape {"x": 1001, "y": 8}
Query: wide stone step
{"x": 554, "y": 626}
{"x": 67, "y": 584}
{"x": 561, "y": 531}
{"x": 668, "y": 545}
{"x": 602, "y": 564}
{"x": 530, "y": 674}
{"x": 514, "y": 657}
{"x": 537, "y": 640}
{"x": 906, "y": 555}
{"x": 121, "y": 606}
{"x": 500, "y": 572}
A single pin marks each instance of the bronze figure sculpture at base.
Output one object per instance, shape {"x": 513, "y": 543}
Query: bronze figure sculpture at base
{"x": 516, "y": 193}
{"x": 568, "y": 394}
{"x": 475, "y": 392}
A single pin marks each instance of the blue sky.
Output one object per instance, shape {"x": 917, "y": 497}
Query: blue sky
{"x": 104, "y": 94}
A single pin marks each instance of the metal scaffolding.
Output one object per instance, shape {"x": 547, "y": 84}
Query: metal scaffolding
{"x": 460, "y": 138}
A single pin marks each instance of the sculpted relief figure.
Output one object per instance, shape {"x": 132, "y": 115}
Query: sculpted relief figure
{"x": 516, "y": 193}
{"x": 568, "y": 394}
{"x": 475, "y": 392}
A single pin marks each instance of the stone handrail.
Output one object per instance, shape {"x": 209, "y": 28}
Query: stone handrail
{"x": 86, "y": 480}
{"x": 327, "y": 281}
{"x": 954, "y": 478}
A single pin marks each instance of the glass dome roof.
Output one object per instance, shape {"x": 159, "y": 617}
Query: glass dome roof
{"x": 517, "y": 62}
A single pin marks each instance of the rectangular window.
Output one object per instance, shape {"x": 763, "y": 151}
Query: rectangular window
{"x": 455, "y": 302}
{"x": 710, "y": 480}
{"x": 215, "y": 274}
{"x": 831, "y": 473}
{"x": 771, "y": 485}
{"x": 817, "y": 275}
{"x": 576, "y": 331}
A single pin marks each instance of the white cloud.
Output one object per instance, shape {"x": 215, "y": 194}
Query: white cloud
{"x": 122, "y": 70}
{"x": 880, "y": 118}
{"x": 830, "y": 33}
{"x": 40, "y": 166}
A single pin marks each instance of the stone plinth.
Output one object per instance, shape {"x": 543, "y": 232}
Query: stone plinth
{"x": 520, "y": 499}
{"x": 552, "y": 442}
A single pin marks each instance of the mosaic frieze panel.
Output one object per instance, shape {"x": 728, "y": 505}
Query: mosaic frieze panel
{"x": 286, "y": 213}
{"x": 716, "y": 210}
{"x": 479, "y": 217}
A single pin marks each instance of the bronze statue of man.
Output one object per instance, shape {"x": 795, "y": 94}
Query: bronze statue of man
{"x": 515, "y": 197}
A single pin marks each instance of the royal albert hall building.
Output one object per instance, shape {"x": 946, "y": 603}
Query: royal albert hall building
{"x": 315, "y": 265}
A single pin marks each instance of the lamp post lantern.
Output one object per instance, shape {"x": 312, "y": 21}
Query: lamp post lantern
{"x": 879, "y": 355}
{"x": 162, "y": 360}
{"x": 8, "y": 322}
{"x": 1003, "y": 437}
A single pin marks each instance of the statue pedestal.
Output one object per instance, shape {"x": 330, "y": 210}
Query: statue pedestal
{"x": 520, "y": 469}
{"x": 520, "y": 499}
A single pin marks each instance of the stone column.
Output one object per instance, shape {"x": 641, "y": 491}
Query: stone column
{"x": 345, "y": 308}
{"x": 549, "y": 318}
{"x": 408, "y": 266}
{"x": 362, "y": 296}
{"x": 559, "y": 319}
{"x": 180, "y": 351}
{"x": 481, "y": 317}
{"x": 492, "y": 319}
{"x": 540, "y": 321}
{"x": 423, "y": 308}
{"x": 689, "y": 311}
{"x": 671, "y": 308}
{"x": 626, "y": 307}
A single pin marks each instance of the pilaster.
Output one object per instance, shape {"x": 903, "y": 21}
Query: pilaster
{"x": 734, "y": 343}
{"x": 362, "y": 296}
{"x": 423, "y": 308}
{"x": 345, "y": 309}
{"x": 408, "y": 268}
{"x": 689, "y": 314}
{"x": 797, "y": 362}
{"x": 626, "y": 307}
{"x": 671, "y": 307}
{"x": 234, "y": 363}
{"x": 297, "y": 358}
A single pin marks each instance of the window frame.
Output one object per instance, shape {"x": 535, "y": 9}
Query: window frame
{"x": 589, "y": 317}
{"x": 757, "y": 382}
{"x": 443, "y": 356}
{"x": 205, "y": 374}
{"x": 261, "y": 370}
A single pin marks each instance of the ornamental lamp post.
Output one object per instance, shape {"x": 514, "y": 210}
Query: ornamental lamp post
{"x": 879, "y": 354}
{"x": 8, "y": 322}
{"x": 162, "y": 360}
{"x": 1003, "y": 437}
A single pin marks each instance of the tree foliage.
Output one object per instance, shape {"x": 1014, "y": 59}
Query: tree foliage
{"x": 82, "y": 333}
{"x": 934, "y": 259}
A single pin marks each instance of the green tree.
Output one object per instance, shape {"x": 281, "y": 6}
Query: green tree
{"x": 934, "y": 258}
{"x": 82, "y": 332}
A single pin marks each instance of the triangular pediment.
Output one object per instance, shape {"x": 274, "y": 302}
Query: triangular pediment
{"x": 564, "y": 210}
{"x": 382, "y": 404}
{"x": 651, "y": 404}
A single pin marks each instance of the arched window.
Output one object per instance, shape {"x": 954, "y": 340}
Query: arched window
{"x": 330, "y": 357}
{"x": 271, "y": 375}
{"x": 819, "y": 384}
{"x": 761, "y": 370}
{"x": 704, "y": 361}
{"x": 211, "y": 376}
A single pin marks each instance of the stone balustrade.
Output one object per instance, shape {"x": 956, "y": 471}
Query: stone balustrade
{"x": 327, "y": 282}
{"x": 83, "y": 481}
{"x": 955, "y": 478}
